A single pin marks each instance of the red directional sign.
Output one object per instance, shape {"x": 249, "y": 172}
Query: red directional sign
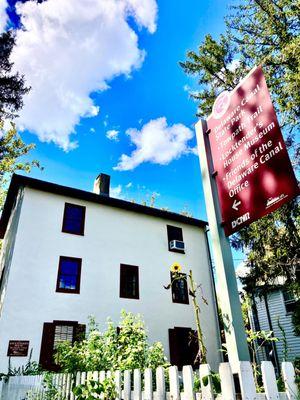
{"x": 253, "y": 171}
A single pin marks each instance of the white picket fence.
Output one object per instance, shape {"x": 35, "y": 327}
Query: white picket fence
{"x": 132, "y": 385}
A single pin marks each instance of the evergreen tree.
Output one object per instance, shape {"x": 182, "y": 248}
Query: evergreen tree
{"x": 12, "y": 85}
{"x": 12, "y": 90}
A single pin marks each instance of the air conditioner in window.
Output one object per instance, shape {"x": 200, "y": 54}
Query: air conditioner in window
{"x": 176, "y": 245}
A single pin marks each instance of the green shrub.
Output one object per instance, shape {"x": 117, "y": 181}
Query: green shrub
{"x": 30, "y": 368}
{"x": 120, "y": 347}
{"x": 92, "y": 389}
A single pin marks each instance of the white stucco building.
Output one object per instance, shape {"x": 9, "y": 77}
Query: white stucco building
{"x": 68, "y": 254}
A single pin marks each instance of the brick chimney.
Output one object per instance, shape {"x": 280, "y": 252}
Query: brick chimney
{"x": 101, "y": 185}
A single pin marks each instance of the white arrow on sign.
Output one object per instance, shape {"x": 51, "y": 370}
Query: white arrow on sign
{"x": 236, "y": 204}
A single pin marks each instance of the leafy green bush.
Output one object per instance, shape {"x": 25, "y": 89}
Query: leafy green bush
{"x": 30, "y": 368}
{"x": 215, "y": 379}
{"x": 297, "y": 371}
{"x": 50, "y": 392}
{"x": 92, "y": 389}
{"x": 120, "y": 347}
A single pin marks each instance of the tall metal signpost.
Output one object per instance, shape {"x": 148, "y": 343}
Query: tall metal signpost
{"x": 246, "y": 174}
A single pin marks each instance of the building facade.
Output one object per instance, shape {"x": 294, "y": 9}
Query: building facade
{"x": 68, "y": 254}
{"x": 273, "y": 312}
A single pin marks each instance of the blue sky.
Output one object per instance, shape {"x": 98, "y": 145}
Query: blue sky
{"x": 154, "y": 89}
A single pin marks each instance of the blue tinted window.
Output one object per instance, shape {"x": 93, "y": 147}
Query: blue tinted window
{"x": 69, "y": 274}
{"x": 74, "y": 217}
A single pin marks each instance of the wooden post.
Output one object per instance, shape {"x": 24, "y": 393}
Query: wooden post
{"x": 127, "y": 385}
{"x": 227, "y": 382}
{"x": 117, "y": 379}
{"x": 207, "y": 392}
{"x": 148, "y": 392}
{"x": 188, "y": 382}
{"x": 137, "y": 385}
{"x": 160, "y": 383}
{"x": 288, "y": 374}
{"x": 102, "y": 376}
{"x": 269, "y": 380}
{"x": 174, "y": 383}
{"x": 247, "y": 382}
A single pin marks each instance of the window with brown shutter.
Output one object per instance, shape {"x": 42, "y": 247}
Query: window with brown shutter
{"x": 129, "y": 281}
{"x": 174, "y": 233}
{"x": 54, "y": 333}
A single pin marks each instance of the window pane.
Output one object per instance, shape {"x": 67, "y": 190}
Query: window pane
{"x": 63, "y": 333}
{"x": 74, "y": 219}
{"x": 69, "y": 267}
{"x": 288, "y": 295}
{"x": 72, "y": 225}
{"x": 69, "y": 274}
{"x": 129, "y": 282}
{"x": 67, "y": 282}
{"x": 289, "y": 301}
{"x": 174, "y": 233}
{"x": 179, "y": 288}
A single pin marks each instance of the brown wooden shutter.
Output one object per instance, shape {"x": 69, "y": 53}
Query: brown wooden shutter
{"x": 183, "y": 347}
{"x": 46, "y": 354}
{"x": 79, "y": 332}
{"x": 173, "y": 346}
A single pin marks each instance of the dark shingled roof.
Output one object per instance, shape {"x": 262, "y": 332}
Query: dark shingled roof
{"x": 24, "y": 181}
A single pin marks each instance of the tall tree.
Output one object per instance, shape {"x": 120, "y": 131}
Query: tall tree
{"x": 12, "y": 151}
{"x": 12, "y": 84}
{"x": 12, "y": 89}
{"x": 260, "y": 32}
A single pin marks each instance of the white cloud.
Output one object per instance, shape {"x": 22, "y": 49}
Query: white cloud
{"x": 129, "y": 185}
{"x": 116, "y": 191}
{"x": 242, "y": 270}
{"x": 112, "y": 135}
{"x": 194, "y": 150}
{"x": 233, "y": 65}
{"x": 105, "y": 122}
{"x": 157, "y": 143}
{"x": 3, "y": 15}
{"x": 69, "y": 49}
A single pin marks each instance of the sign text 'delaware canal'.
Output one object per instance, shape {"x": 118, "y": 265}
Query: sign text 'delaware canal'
{"x": 254, "y": 175}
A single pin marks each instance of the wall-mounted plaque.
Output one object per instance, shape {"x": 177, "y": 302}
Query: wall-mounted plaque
{"x": 18, "y": 348}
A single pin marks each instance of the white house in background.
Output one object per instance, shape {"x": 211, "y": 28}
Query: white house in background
{"x": 273, "y": 312}
{"x": 68, "y": 254}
